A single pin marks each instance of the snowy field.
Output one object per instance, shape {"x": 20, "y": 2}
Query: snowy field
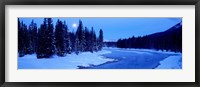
{"x": 71, "y": 61}
{"x": 171, "y": 62}
{"x": 108, "y": 58}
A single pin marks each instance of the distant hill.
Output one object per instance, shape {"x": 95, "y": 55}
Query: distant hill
{"x": 169, "y": 40}
{"x": 176, "y": 28}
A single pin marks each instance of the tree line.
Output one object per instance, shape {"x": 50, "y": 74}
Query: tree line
{"x": 169, "y": 40}
{"x": 46, "y": 41}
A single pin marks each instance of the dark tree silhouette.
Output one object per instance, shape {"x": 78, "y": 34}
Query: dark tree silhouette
{"x": 80, "y": 36}
{"x": 93, "y": 41}
{"x": 45, "y": 41}
{"x": 21, "y": 38}
{"x": 169, "y": 40}
{"x": 50, "y": 38}
{"x": 60, "y": 39}
{"x": 88, "y": 40}
{"x": 33, "y": 37}
{"x": 100, "y": 40}
{"x": 67, "y": 41}
{"x": 76, "y": 45}
{"x": 41, "y": 39}
{"x": 72, "y": 40}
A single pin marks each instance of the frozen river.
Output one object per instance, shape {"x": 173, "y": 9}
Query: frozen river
{"x": 133, "y": 59}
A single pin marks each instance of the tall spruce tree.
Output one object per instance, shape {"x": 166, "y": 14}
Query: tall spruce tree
{"x": 60, "y": 38}
{"x": 87, "y": 39}
{"x": 72, "y": 40}
{"x": 33, "y": 36}
{"x": 76, "y": 45}
{"x": 41, "y": 40}
{"x": 50, "y": 38}
{"x": 93, "y": 41}
{"x": 21, "y": 39}
{"x": 81, "y": 36}
{"x": 67, "y": 42}
{"x": 27, "y": 40}
{"x": 100, "y": 40}
{"x": 45, "y": 48}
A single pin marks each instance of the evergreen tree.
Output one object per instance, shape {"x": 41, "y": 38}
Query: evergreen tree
{"x": 81, "y": 36}
{"x": 39, "y": 43}
{"x": 45, "y": 48}
{"x": 49, "y": 38}
{"x": 60, "y": 40}
{"x": 100, "y": 40}
{"x": 33, "y": 36}
{"x": 41, "y": 40}
{"x": 68, "y": 48}
{"x": 83, "y": 42}
{"x": 93, "y": 42}
{"x": 76, "y": 46}
{"x": 21, "y": 39}
{"x": 87, "y": 39}
{"x": 72, "y": 40}
{"x": 27, "y": 40}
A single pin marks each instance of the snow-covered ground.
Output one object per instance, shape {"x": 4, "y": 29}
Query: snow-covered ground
{"x": 71, "y": 61}
{"x": 171, "y": 62}
{"x": 106, "y": 59}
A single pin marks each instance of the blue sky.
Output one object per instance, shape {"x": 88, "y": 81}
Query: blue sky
{"x": 115, "y": 28}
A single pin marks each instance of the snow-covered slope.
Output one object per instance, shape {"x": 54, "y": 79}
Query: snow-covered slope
{"x": 171, "y": 62}
{"x": 71, "y": 61}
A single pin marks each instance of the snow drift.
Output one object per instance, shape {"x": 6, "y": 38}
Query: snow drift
{"x": 71, "y": 61}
